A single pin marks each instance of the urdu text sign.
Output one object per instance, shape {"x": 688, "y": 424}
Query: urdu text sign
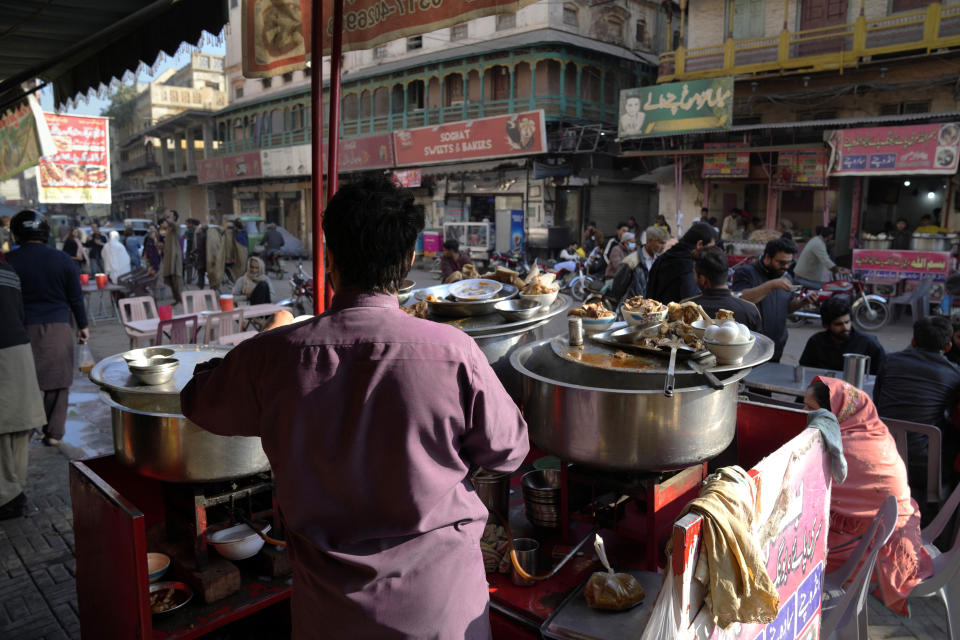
{"x": 676, "y": 107}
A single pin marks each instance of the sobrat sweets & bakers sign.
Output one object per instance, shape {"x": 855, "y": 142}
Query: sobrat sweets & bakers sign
{"x": 519, "y": 134}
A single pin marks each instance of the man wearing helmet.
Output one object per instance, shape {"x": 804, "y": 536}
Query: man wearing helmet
{"x": 51, "y": 292}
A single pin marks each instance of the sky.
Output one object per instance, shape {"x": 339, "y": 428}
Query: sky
{"x": 97, "y": 104}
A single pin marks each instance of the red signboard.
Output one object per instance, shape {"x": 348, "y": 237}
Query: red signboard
{"x": 79, "y": 172}
{"x": 513, "y": 135}
{"x": 276, "y": 35}
{"x": 241, "y": 166}
{"x": 726, "y": 164}
{"x": 801, "y": 169}
{"x": 407, "y": 178}
{"x": 360, "y": 154}
{"x": 872, "y": 264}
{"x": 919, "y": 148}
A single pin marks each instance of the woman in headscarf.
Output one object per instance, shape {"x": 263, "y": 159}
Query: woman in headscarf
{"x": 254, "y": 284}
{"x": 116, "y": 260}
{"x": 151, "y": 249}
{"x": 73, "y": 247}
{"x": 874, "y": 471}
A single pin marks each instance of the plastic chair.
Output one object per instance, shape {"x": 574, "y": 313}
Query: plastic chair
{"x": 179, "y": 332}
{"x": 199, "y": 300}
{"x": 899, "y": 430}
{"x": 140, "y": 308}
{"x": 222, "y": 324}
{"x": 918, "y": 300}
{"x": 844, "y": 609}
{"x": 945, "y": 581}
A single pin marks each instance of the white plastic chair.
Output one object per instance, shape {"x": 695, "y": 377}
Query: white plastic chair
{"x": 199, "y": 300}
{"x": 844, "y": 608}
{"x": 220, "y": 325}
{"x": 139, "y": 308}
{"x": 945, "y": 581}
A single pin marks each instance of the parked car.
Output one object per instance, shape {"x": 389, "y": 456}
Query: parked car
{"x": 140, "y": 226}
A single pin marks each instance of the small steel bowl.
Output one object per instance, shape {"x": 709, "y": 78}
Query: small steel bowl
{"x": 147, "y": 353}
{"x": 154, "y": 371}
{"x": 403, "y": 293}
{"x": 182, "y": 594}
{"x": 518, "y": 309}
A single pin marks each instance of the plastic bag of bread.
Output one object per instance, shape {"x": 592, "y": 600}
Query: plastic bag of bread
{"x": 609, "y": 590}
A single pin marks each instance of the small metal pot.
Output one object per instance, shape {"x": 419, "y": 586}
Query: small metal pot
{"x": 932, "y": 241}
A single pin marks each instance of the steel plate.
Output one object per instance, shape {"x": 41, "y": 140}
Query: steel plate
{"x": 493, "y": 323}
{"x": 574, "y": 620}
{"x": 450, "y": 307}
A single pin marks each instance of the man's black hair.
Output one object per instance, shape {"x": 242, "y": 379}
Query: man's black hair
{"x": 826, "y": 232}
{"x": 699, "y": 232}
{"x": 711, "y": 262}
{"x": 176, "y": 216}
{"x": 834, "y": 307}
{"x": 702, "y": 209}
{"x": 193, "y": 221}
{"x": 903, "y": 220}
{"x": 780, "y": 245}
{"x": 451, "y": 245}
{"x": 592, "y": 223}
{"x": 371, "y": 229}
{"x": 712, "y": 220}
{"x": 822, "y": 394}
{"x": 932, "y": 333}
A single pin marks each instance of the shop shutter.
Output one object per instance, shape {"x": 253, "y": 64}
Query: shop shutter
{"x": 612, "y": 203}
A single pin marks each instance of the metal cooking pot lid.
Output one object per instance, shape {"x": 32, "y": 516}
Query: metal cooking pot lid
{"x": 113, "y": 374}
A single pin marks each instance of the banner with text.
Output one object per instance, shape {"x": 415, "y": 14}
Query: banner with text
{"x": 871, "y": 264}
{"x": 79, "y": 171}
{"x": 240, "y": 166}
{"x": 275, "y": 34}
{"x": 499, "y": 136}
{"x": 801, "y": 169}
{"x": 890, "y": 151}
{"x": 24, "y": 137}
{"x": 676, "y": 107}
{"x": 726, "y": 164}
{"x": 356, "y": 154}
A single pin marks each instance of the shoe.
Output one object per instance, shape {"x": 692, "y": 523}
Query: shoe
{"x": 15, "y": 508}
{"x": 50, "y": 442}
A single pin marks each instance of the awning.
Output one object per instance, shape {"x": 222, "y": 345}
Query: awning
{"x": 80, "y": 44}
{"x": 472, "y": 167}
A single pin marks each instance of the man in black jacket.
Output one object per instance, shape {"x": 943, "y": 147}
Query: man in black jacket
{"x": 919, "y": 384}
{"x": 710, "y": 267}
{"x": 672, "y": 278}
{"x": 825, "y": 349}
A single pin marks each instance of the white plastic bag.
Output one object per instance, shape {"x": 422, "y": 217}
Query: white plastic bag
{"x": 662, "y": 625}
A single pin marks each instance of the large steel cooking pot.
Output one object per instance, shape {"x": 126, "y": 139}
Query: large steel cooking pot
{"x": 498, "y": 347}
{"x": 170, "y": 447}
{"x": 881, "y": 244}
{"x": 932, "y": 241}
{"x": 623, "y": 421}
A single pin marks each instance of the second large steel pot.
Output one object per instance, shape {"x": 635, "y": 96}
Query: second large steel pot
{"x": 169, "y": 447}
{"x": 618, "y": 421}
{"x": 932, "y": 241}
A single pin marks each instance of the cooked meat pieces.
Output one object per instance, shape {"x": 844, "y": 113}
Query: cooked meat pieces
{"x": 639, "y": 304}
{"x": 723, "y": 315}
{"x": 419, "y": 309}
{"x": 592, "y": 310}
{"x": 686, "y": 311}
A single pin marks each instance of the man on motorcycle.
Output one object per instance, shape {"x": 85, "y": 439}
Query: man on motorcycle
{"x": 272, "y": 241}
{"x": 815, "y": 260}
{"x": 825, "y": 349}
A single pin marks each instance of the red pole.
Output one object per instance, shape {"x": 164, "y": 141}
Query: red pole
{"x": 316, "y": 151}
{"x": 333, "y": 136}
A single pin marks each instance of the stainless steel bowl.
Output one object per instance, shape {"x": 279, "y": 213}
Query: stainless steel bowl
{"x": 154, "y": 371}
{"x": 518, "y": 309}
{"x": 182, "y": 594}
{"x": 405, "y": 290}
{"x": 622, "y": 421}
{"x": 147, "y": 353}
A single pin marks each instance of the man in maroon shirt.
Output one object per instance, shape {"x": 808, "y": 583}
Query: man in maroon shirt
{"x": 373, "y": 421}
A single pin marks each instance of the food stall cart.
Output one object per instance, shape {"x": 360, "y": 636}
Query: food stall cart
{"x": 893, "y": 271}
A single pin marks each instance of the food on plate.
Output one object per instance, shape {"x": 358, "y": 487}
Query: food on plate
{"x": 96, "y": 175}
{"x": 685, "y": 311}
{"x": 671, "y": 333}
{"x": 75, "y": 174}
{"x": 639, "y": 304}
{"x": 619, "y": 355}
{"x": 541, "y": 284}
{"x": 419, "y": 309}
{"x": 592, "y": 310}
{"x": 164, "y": 599}
{"x": 730, "y": 332}
{"x": 724, "y": 314}
{"x": 431, "y": 298}
{"x": 612, "y": 591}
{"x": 50, "y": 173}
{"x": 63, "y": 143}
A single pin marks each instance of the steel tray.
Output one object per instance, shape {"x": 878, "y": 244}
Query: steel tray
{"x": 574, "y": 620}
{"x": 450, "y": 307}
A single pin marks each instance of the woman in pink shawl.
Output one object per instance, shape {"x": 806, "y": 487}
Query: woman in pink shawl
{"x": 874, "y": 471}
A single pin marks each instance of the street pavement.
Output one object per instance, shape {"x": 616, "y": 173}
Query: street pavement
{"x": 37, "y": 567}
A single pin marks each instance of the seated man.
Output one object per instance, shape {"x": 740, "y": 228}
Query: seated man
{"x": 825, "y": 349}
{"x": 919, "y": 384}
{"x": 452, "y": 261}
{"x": 815, "y": 263}
{"x": 710, "y": 267}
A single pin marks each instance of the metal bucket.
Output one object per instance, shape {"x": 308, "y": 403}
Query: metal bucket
{"x": 493, "y": 489}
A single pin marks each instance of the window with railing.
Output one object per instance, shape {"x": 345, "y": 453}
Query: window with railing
{"x": 379, "y": 53}
{"x": 458, "y": 32}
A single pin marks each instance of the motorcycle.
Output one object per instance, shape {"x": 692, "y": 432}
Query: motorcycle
{"x": 301, "y": 292}
{"x": 578, "y": 283}
{"x": 514, "y": 261}
{"x": 868, "y": 312}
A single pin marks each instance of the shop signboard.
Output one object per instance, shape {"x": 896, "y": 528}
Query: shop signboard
{"x": 879, "y": 265}
{"x": 275, "y": 36}
{"x": 676, "y": 107}
{"x": 79, "y": 171}
{"x": 408, "y": 178}
{"x": 24, "y": 137}
{"x": 356, "y": 154}
{"x": 240, "y": 166}
{"x": 519, "y": 134}
{"x": 727, "y": 163}
{"x": 890, "y": 151}
{"x": 794, "y": 498}
{"x": 801, "y": 169}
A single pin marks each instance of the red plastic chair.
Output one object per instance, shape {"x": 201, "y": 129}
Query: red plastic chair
{"x": 178, "y": 330}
